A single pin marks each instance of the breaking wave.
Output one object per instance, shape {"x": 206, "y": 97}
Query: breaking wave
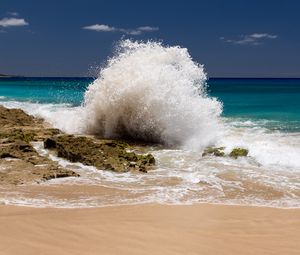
{"x": 154, "y": 93}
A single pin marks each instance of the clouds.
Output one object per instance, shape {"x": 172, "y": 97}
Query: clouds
{"x": 12, "y": 22}
{"x": 13, "y": 13}
{"x": 251, "y": 39}
{"x": 107, "y": 28}
{"x": 100, "y": 28}
{"x": 258, "y": 36}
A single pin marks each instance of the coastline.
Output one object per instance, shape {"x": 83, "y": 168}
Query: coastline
{"x": 131, "y": 229}
{"x": 150, "y": 229}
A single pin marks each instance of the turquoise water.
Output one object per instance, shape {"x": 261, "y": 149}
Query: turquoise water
{"x": 44, "y": 90}
{"x": 274, "y": 103}
{"x": 274, "y": 100}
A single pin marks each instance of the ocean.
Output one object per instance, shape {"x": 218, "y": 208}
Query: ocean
{"x": 167, "y": 100}
{"x": 274, "y": 102}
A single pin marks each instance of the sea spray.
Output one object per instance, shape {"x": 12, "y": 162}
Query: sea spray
{"x": 154, "y": 93}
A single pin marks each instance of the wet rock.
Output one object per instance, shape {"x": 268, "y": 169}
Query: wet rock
{"x": 15, "y": 117}
{"x": 23, "y": 151}
{"x": 219, "y": 152}
{"x": 215, "y": 151}
{"x": 17, "y": 134}
{"x": 238, "y": 152}
{"x": 15, "y": 124}
{"x": 103, "y": 154}
{"x": 19, "y": 161}
{"x": 19, "y": 171}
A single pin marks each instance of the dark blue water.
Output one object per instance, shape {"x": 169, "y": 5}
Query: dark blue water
{"x": 275, "y": 100}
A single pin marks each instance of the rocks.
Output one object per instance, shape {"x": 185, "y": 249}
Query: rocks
{"x": 19, "y": 171}
{"x": 15, "y": 117}
{"x": 219, "y": 152}
{"x": 238, "y": 152}
{"x": 103, "y": 154}
{"x": 19, "y": 161}
{"x": 17, "y": 149}
{"x": 17, "y": 134}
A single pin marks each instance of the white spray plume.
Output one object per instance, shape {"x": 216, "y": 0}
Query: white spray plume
{"x": 153, "y": 93}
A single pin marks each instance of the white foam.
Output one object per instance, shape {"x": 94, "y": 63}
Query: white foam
{"x": 155, "y": 93}
{"x": 276, "y": 149}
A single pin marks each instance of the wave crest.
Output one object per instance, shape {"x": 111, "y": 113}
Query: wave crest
{"x": 153, "y": 93}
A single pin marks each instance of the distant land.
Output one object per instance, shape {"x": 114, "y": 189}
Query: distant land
{"x": 8, "y": 76}
{"x": 5, "y": 76}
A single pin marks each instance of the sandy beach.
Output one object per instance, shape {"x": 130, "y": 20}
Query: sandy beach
{"x": 150, "y": 229}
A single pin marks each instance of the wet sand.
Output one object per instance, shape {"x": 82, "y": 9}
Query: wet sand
{"x": 150, "y": 229}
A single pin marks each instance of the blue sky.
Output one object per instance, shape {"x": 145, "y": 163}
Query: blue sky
{"x": 232, "y": 38}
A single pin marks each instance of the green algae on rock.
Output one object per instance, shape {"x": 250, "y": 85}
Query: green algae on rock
{"x": 17, "y": 134}
{"x": 15, "y": 125}
{"x": 215, "y": 151}
{"x": 103, "y": 154}
{"x": 238, "y": 152}
{"x": 219, "y": 152}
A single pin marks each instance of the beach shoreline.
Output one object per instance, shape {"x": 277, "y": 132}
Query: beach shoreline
{"x": 150, "y": 229}
{"x": 131, "y": 229}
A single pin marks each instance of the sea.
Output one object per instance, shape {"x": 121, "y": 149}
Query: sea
{"x": 168, "y": 101}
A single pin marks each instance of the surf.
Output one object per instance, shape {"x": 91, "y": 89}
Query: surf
{"x": 155, "y": 93}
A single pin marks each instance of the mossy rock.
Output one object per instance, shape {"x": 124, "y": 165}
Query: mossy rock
{"x": 17, "y": 135}
{"x": 19, "y": 149}
{"x": 103, "y": 154}
{"x": 238, "y": 152}
{"x": 215, "y": 151}
{"x": 29, "y": 166}
{"x": 15, "y": 117}
{"x": 17, "y": 131}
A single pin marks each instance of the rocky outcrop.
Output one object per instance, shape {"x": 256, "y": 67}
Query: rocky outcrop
{"x": 15, "y": 117}
{"x": 215, "y": 151}
{"x": 219, "y": 152}
{"x": 15, "y": 124}
{"x": 19, "y": 161}
{"x": 238, "y": 152}
{"x": 103, "y": 154}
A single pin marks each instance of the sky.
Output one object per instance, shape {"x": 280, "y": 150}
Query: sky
{"x": 231, "y": 38}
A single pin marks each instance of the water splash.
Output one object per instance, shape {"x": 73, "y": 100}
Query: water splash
{"x": 153, "y": 93}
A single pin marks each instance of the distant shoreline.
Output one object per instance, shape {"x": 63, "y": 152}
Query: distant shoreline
{"x": 8, "y": 76}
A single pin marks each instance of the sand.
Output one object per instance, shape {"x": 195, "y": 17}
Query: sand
{"x": 150, "y": 229}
